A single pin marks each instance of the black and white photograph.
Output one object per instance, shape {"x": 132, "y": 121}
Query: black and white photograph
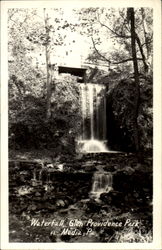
{"x": 80, "y": 85}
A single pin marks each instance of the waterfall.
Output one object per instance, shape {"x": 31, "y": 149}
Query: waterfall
{"x": 90, "y": 91}
{"x": 83, "y": 105}
{"x": 34, "y": 175}
{"x": 102, "y": 183}
{"x": 48, "y": 177}
{"x": 97, "y": 114}
{"x": 104, "y": 117}
{"x": 93, "y": 111}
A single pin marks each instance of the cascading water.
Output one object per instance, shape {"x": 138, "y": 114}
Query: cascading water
{"x": 83, "y": 105}
{"x": 93, "y": 109}
{"x": 90, "y": 91}
{"x": 102, "y": 183}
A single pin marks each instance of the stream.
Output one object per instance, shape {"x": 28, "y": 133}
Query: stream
{"x": 94, "y": 198}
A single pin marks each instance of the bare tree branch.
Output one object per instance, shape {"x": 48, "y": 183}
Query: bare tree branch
{"x": 144, "y": 30}
{"x": 11, "y": 13}
{"x": 114, "y": 32}
{"x": 142, "y": 52}
{"x": 102, "y": 56}
{"x": 146, "y": 43}
{"x": 126, "y": 60}
{"x": 109, "y": 61}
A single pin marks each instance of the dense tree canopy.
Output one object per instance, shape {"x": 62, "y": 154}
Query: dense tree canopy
{"x": 110, "y": 29}
{"x": 119, "y": 42}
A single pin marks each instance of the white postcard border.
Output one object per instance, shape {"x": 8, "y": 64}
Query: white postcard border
{"x": 157, "y": 163}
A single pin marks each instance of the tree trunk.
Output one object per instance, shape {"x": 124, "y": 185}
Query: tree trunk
{"x": 48, "y": 83}
{"x": 136, "y": 80}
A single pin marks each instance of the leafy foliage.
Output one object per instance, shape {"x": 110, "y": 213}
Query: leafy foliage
{"x": 121, "y": 100}
{"x": 108, "y": 30}
{"x": 28, "y": 121}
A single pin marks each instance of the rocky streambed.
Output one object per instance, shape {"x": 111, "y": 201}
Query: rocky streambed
{"x": 51, "y": 201}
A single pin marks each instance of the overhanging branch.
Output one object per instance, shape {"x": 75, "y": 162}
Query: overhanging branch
{"x": 102, "y": 56}
{"x": 114, "y": 32}
{"x": 142, "y": 52}
{"x": 109, "y": 61}
{"x": 125, "y": 60}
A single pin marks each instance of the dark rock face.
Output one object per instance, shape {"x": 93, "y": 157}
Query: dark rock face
{"x": 47, "y": 188}
{"x": 136, "y": 188}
